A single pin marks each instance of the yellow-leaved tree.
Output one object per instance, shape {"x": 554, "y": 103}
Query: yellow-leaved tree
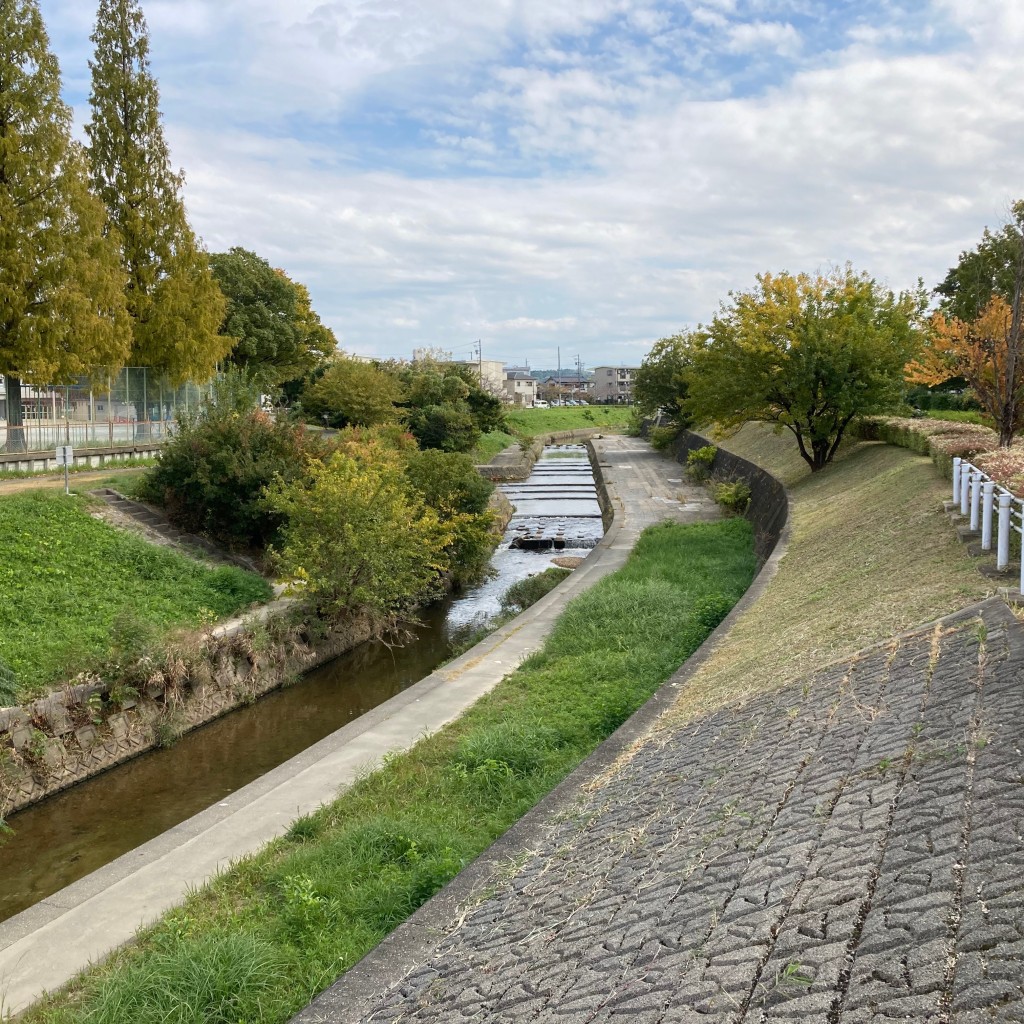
{"x": 807, "y": 353}
{"x": 357, "y": 538}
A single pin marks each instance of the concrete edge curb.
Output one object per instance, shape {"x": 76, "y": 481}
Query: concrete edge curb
{"x": 352, "y": 995}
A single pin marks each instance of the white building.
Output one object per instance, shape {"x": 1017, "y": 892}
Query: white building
{"x": 520, "y": 387}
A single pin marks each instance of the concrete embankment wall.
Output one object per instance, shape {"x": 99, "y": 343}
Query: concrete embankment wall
{"x": 769, "y": 506}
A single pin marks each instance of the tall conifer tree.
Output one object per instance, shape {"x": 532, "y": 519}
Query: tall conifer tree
{"x": 62, "y": 308}
{"x": 175, "y": 304}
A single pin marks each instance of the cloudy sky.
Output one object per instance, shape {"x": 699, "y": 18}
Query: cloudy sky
{"x": 589, "y": 174}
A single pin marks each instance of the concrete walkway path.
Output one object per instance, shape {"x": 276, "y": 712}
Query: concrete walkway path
{"x": 45, "y": 946}
{"x": 849, "y": 849}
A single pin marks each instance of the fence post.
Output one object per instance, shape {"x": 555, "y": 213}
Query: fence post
{"x": 1003, "y": 540}
{"x": 975, "y": 498}
{"x": 1021, "y": 588}
{"x": 956, "y": 477}
{"x": 965, "y": 484}
{"x": 988, "y": 491}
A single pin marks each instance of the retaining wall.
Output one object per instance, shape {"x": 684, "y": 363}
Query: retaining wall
{"x": 769, "y": 505}
{"x": 42, "y": 462}
{"x": 87, "y": 727}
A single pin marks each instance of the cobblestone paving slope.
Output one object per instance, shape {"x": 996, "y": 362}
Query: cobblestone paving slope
{"x": 851, "y": 849}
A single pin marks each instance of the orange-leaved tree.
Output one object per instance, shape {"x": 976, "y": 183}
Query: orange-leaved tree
{"x": 986, "y": 346}
{"x": 987, "y": 353}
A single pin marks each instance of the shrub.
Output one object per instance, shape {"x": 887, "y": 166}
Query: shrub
{"x": 734, "y": 497}
{"x": 661, "y": 438}
{"x": 357, "y": 537}
{"x": 448, "y": 480}
{"x": 449, "y": 484}
{"x": 212, "y": 474}
{"x": 526, "y": 592}
{"x": 699, "y": 462}
{"x": 449, "y": 428}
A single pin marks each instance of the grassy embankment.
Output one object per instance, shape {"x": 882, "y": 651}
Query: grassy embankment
{"x": 527, "y": 423}
{"x": 530, "y": 422}
{"x": 260, "y": 941}
{"x": 67, "y": 580}
{"x": 871, "y": 554}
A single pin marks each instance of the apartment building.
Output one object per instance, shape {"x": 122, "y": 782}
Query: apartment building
{"x": 613, "y": 384}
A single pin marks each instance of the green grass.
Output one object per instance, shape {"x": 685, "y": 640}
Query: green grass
{"x": 490, "y": 444}
{"x": 530, "y": 422}
{"x": 871, "y": 555}
{"x": 266, "y": 936}
{"x": 960, "y": 416}
{"x": 65, "y": 577}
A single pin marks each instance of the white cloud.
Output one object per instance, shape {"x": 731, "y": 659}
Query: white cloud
{"x": 573, "y": 174}
{"x": 764, "y": 36}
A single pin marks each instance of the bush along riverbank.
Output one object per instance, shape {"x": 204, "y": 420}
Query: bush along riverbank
{"x": 267, "y": 935}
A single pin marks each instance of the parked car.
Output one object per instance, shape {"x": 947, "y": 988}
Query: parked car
{"x": 539, "y": 403}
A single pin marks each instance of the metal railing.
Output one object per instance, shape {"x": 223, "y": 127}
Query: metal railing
{"x": 983, "y": 500}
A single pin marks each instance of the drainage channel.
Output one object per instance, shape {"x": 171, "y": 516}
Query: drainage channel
{"x": 75, "y": 832}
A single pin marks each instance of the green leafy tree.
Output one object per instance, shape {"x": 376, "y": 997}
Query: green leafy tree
{"x": 62, "y": 309}
{"x": 174, "y": 302}
{"x": 446, "y": 406}
{"x": 357, "y": 538}
{"x": 449, "y": 428}
{"x": 351, "y": 392}
{"x": 807, "y": 354}
{"x": 276, "y": 334}
{"x": 991, "y": 268}
{"x": 660, "y": 381}
{"x": 450, "y": 484}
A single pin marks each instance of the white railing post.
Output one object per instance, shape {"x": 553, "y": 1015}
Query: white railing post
{"x": 965, "y": 485}
{"x": 1021, "y": 588}
{"x": 988, "y": 491}
{"x": 956, "y": 477}
{"x": 1003, "y": 539}
{"x": 975, "y": 498}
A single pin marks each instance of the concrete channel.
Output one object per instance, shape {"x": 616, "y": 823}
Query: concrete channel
{"x": 45, "y": 946}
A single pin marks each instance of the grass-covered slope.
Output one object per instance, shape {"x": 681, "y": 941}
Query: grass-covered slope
{"x": 530, "y": 422}
{"x": 66, "y": 578}
{"x": 269, "y": 934}
{"x": 871, "y": 554}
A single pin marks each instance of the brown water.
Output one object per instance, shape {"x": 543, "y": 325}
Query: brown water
{"x": 75, "y": 832}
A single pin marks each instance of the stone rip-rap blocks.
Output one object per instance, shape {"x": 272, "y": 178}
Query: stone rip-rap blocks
{"x": 851, "y": 849}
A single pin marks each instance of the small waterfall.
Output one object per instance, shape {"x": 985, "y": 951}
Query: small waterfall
{"x": 556, "y": 511}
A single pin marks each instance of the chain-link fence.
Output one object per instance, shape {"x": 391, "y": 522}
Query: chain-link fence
{"x": 126, "y": 408}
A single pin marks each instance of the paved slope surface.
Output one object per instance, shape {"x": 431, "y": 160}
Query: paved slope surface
{"x": 851, "y": 849}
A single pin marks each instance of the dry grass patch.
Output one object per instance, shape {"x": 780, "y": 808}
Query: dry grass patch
{"x": 871, "y": 554}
